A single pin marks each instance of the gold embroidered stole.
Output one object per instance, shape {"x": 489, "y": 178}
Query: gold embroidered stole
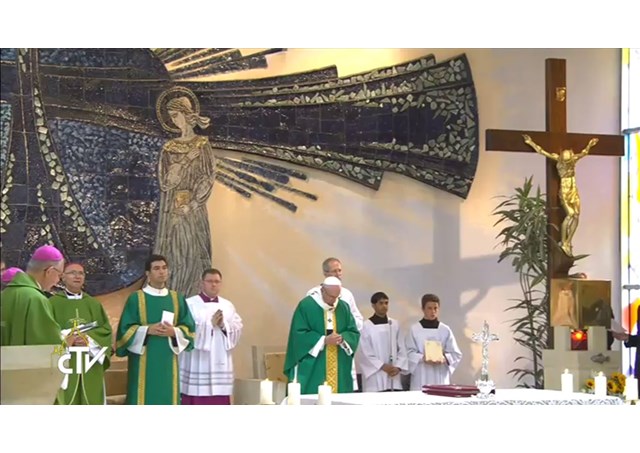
{"x": 331, "y": 351}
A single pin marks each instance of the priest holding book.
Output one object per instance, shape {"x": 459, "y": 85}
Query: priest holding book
{"x": 75, "y": 308}
{"x": 431, "y": 347}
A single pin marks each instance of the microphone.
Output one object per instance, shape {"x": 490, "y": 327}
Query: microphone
{"x": 390, "y": 351}
{"x": 390, "y": 342}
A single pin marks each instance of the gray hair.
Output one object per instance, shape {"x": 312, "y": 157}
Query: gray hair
{"x": 327, "y": 262}
{"x": 39, "y": 266}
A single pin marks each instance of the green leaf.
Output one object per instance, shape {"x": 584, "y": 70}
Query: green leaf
{"x": 523, "y": 236}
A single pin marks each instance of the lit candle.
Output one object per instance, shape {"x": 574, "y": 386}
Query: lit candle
{"x": 293, "y": 393}
{"x": 601, "y": 385}
{"x": 266, "y": 392}
{"x": 324, "y": 394}
{"x": 567, "y": 381}
{"x": 631, "y": 388}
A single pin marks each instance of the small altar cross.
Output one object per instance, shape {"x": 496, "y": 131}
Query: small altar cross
{"x": 484, "y": 338}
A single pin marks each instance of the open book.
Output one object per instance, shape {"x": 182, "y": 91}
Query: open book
{"x": 433, "y": 351}
{"x": 617, "y": 327}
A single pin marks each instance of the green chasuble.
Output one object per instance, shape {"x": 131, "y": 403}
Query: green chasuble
{"x": 154, "y": 375}
{"x": 332, "y": 365}
{"x": 27, "y": 318}
{"x": 88, "y": 386}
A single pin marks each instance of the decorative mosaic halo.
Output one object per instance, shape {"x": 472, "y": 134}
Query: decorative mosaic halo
{"x": 165, "y": 97}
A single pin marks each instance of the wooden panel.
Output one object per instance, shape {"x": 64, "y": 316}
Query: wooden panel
{"x": 274, "y": 363}
{"x": 116, "y": 382}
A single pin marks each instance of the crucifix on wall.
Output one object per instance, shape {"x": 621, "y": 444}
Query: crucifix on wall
{"x": 557, "y": 145}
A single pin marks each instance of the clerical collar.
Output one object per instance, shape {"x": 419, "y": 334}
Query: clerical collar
{"x": 155, "y": 291}
{"x": 375, "y": 319}
{"x": 429, "y": 324}
{"x": 71, "y": 295}
{"x": 206, "y": 298}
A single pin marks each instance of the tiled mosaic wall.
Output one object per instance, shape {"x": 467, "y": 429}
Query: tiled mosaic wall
{"x": 80, "y": 140}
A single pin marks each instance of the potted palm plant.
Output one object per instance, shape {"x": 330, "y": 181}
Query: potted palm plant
{"x": 523, "y": 239}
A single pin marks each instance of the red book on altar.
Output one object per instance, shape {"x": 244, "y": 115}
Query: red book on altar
{"x": 454, "y": 391}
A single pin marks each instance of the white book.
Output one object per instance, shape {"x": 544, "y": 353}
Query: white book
{"x": 617, "y": 327}
{"x": 167, "y": 316}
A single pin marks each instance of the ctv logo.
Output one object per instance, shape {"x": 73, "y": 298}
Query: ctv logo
{"x": 88, "y": 362}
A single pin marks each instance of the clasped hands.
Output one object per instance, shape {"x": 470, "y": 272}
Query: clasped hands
{"x": 333, "y": 338}
{"x": 218, "y": 319}
{"x": 73, "y": 339}
{"x": 390, "y": 369}
{"x": 161, "y": 329}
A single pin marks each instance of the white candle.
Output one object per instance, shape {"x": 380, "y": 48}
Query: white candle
{"x": 601, "y": 385}
{"x": 293, "y": 394}
{"x": 567, "y": 381}
{"x": 266, "y": 392}
{"x": 631, "y": 388}
{"x": 295, "y": 373}
{"x": 324, "y": 394}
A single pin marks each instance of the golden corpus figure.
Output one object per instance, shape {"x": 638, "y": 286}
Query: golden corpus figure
{"x": 566, "y": 165}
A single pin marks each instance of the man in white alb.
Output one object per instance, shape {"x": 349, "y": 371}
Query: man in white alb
{"x": 332, "y": 267}
{"x": 381, "y": 354}
{"x": 437, "y": 364}
{"x": 207, "y": 371}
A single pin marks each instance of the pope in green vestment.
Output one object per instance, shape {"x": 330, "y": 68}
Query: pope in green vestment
{"x": 27, "y": 317}
{"x": 317, "y": 362}
{"x": 86, "y": 387}
{"x": 153, "y": 376}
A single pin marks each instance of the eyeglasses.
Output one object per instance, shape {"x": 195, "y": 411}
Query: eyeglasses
{"x": 57, "y": 270}
{"x": 75, "y": 273}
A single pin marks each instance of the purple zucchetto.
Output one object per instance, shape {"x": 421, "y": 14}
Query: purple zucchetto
{"x": 8, "y": 274}
{"x": 47, "y": 253}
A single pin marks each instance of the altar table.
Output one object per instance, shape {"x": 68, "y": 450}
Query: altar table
{"x": 502, "y": 397}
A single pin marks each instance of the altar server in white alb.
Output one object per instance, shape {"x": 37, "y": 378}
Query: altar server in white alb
{"x": 206, "y": 372}
{"x": 381, "y": 354}
{"x": 442, "y": 356}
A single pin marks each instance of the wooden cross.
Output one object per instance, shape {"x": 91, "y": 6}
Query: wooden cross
{"x": 554, "y": 140}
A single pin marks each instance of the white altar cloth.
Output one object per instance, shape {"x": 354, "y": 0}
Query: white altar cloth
{"x": 502, "y": 397}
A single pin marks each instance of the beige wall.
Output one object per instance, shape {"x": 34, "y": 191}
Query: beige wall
{"x": 407, "y": 239}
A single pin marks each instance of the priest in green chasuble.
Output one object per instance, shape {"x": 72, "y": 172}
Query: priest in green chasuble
{"x": 27, "y": 318}
{"x": 73, "y": 307}
{"x": 322, "y": 341}
{"x": 156, "y": 325}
